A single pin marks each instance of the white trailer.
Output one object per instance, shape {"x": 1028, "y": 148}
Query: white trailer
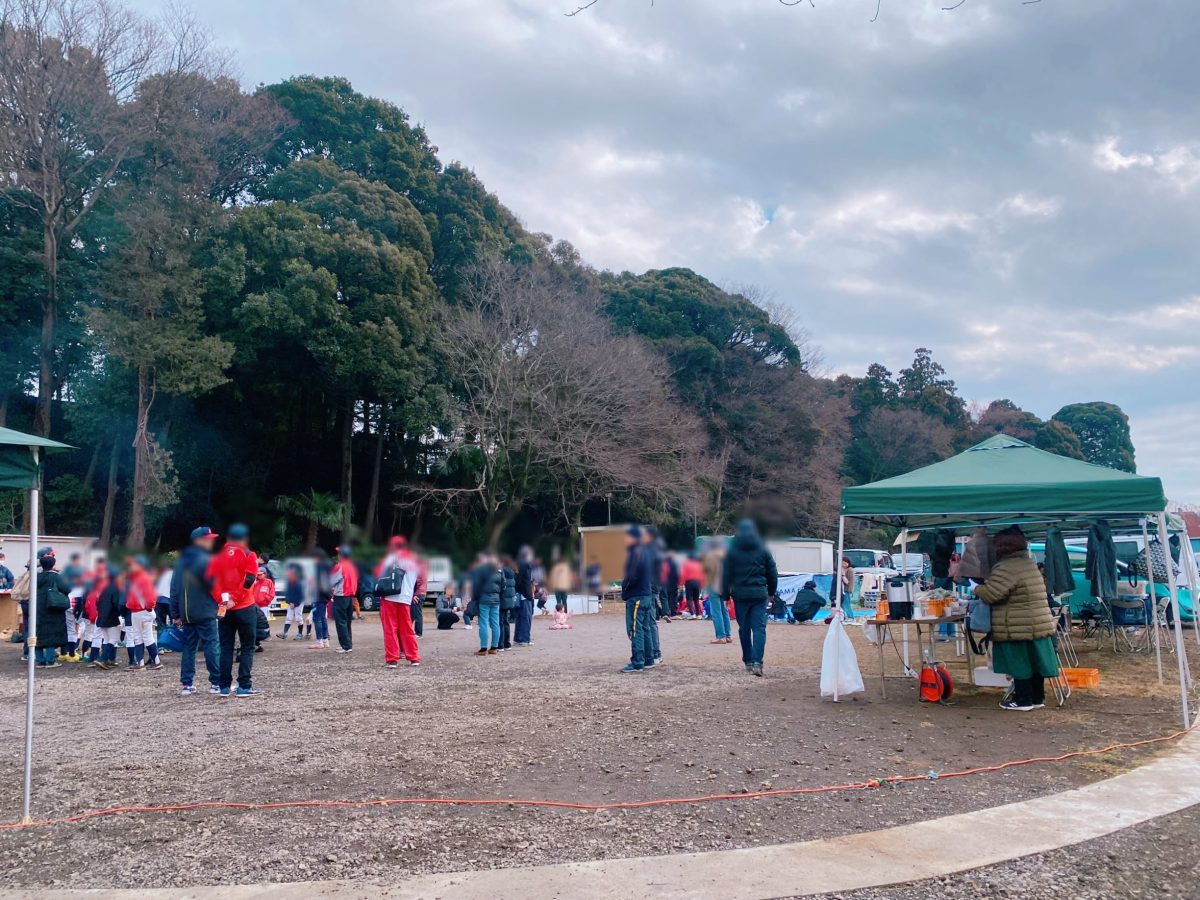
{"x": 802, "y": 556}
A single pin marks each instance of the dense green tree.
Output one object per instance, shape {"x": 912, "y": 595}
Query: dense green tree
{"x": 1004, "y": 416}
{"x": 69, "y": 75}
{"x": 1103, "y": 433}
{"x": 316, "y": 510}
{"x": 923, "y": 386}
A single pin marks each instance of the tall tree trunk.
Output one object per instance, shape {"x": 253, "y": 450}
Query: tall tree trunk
{"x": 310, "y": 539}
{"x": 497, "y": 521}
{"x": 41, "y": 416}
{"x": 93, "y": 464}
{"x": 347, "y": 466}
{"x": 110, "y": 499}
{"x": 370, "y": 526}
{"x": 141, "y": 462}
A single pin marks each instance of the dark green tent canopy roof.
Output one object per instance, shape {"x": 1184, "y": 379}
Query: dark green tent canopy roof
{"x": 1003, "y": 480}
{"x": 17, "y": 468}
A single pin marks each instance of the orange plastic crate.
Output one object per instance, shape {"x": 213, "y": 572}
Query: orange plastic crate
{"x": 1082, "y": 678}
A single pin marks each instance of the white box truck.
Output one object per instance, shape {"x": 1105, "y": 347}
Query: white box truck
{"x": 802, "y": 556}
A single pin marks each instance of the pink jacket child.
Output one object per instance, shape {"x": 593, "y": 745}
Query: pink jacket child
{"x": 561, "y": 620}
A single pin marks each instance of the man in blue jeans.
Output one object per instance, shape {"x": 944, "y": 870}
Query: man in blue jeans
{"x": 750, "y": 578}
{"x": 637, "y": 589}
{"x": 196, "y": 612}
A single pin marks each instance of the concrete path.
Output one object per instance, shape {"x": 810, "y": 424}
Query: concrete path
{"x": 874, "y": 859}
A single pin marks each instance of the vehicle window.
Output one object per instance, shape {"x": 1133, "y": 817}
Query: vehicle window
{"x": 861, "y": 559}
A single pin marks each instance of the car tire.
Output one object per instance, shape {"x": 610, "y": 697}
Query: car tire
{"x": 368, "y": 603}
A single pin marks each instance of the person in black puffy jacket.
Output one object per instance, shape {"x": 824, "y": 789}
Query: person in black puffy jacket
{"x": 750, "y": 578}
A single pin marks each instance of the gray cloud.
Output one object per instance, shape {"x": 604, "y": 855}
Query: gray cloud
{"x": 1014, "y": 186}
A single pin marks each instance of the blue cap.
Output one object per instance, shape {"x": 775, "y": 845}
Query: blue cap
{"x": 203, "y": 532}
{"x": 633, "y": 531}
{"x": 238, "y": 532}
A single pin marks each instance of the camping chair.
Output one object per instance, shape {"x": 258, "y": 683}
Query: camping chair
{"x": 1060, "y": 684}
{"x": 1064, "y": 641}
{"x": 1096, "y": 621}
{"x": 1131, "y": 624}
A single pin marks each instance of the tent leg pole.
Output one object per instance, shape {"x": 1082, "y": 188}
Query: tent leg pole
{"x": 837, "y": 574}
{"x": 1179, "y": 649}
{"x": 907, "y": 593}
{"x": 31, "y": 639}
{"x": 1186, "y": 554}
{"x": 1153, "y": 602}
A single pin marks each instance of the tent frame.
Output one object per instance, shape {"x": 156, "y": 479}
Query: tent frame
{"x": 962, "y": 520}
{"x": 31, "y": 638}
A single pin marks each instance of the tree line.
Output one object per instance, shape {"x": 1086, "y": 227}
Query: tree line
{"x": 281, "y": 305}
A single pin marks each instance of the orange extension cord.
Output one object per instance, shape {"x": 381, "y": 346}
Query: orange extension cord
{"x": 589, "y": 807}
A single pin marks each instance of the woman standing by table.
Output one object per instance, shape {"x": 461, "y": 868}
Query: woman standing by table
{"x": 1022, "y": 626}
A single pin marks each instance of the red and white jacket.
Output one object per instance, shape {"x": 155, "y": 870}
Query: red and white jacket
{"x": 140, "y": 595}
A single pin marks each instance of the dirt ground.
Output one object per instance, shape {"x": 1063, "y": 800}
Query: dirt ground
{"x": 553, "y": 721}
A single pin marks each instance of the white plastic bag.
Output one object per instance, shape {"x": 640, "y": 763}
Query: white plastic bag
{"x": 839, "y": 662}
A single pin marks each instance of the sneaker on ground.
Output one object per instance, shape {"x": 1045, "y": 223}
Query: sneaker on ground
{"x": 224, "y": 692}
{"x": 758, "y": 670}
{"x": 54, "y": 665}
{"x": 155, "y": 665}
{"x": 213, "y": 689}
{"x": 415, "y": 662}
{"x": 187, "y": 690}
{"x": 650, "y": 665}
{"x": 1038, "y": 706}
{"x": 1014, "y": 706}
{"x": 317, "y": 646}
{"x": 247, "y": 692}
{"x": 391, "y": 665}
{"x": 630, "y": 668}
{"x": 481, "y": 652}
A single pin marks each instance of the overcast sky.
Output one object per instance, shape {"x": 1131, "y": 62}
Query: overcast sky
{"x": 1015, "y": 186}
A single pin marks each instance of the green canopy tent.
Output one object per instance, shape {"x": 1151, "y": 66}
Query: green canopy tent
{"x": 21, "y": 467}
{"x": 1005, "y": 481}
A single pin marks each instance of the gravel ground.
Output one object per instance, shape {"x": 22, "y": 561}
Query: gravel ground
{"x": 1157, "y": 860}
{"x": 554, "y": 721}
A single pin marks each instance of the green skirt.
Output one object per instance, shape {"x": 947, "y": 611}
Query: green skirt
{"x": 1025, "y": 659}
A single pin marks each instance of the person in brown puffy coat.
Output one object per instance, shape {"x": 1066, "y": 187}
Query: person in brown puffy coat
{"x": 1022, "y": 625}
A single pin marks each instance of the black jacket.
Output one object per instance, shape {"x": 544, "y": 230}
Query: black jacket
{"x": 750, "y": 572}
{"x": 109, "y": 606}
{"x": 639, "y": 577}
{"x": 524, "y": 583}
{"x": 191, "y": 594}
{"x": 806, "y": 599}
{"x": 508, "y": 589}
{"x": 52, "y": 603}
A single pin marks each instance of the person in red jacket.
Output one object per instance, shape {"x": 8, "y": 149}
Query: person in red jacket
{"x": 91, "y": 611}
{"x": 140, "y": 599}
{"x": 343, "y": 582}
{"x": 232, "y": 573}
{"x": 691, "y": 573}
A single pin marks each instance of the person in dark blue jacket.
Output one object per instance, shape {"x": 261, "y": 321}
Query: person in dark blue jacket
{"x": 195, "y": 610}
{"x": 637, "y": 590}
{"x": 523, "y": 614}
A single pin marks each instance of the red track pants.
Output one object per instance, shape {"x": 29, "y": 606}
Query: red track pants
{"x": 398, "y": 635}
